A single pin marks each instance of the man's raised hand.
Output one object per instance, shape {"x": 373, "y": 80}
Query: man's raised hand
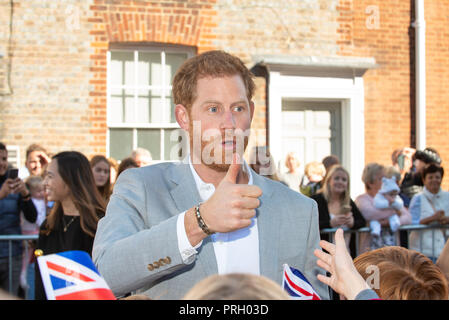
{"x": 233, "y": 205}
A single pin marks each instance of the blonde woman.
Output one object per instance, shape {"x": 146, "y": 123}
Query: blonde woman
{"x": 335, "y": 207}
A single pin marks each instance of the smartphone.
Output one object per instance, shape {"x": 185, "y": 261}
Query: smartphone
{"x": 345, "y": 209}
{"x": 13, "y": 173}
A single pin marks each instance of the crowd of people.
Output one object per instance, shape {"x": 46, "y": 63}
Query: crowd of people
{"x": 59, "y": 197}
{"x": 228, "y": 225}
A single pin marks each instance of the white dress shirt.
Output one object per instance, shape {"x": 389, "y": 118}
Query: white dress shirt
{"x": 236, "y": 251}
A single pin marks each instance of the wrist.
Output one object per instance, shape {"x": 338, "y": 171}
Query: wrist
{"x": 201, "y": 223}
{"x": 194, "y": 233}
{"x": 356, "y": 285}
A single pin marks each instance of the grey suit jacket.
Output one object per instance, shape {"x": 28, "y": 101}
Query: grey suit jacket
{"x": 136, "y": 245}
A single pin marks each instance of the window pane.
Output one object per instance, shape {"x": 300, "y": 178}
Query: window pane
{"x": 143, "y": 109}
{"x": 157, "y": 107}
{"x": 116, "y": 109}
{"x": 129, "y": 109}
{"x": 150, "y": 139}
{"x": 175, "y": 144}
{"x": 121, "y": 143}
{"x": 172, "y": 63}
{"x": 122, "y": 68}
{"x": 150, "y": 69}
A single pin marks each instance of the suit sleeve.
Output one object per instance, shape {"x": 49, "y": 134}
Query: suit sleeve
{"x": 127, "y": 253}
{"x": 314, "y": 243}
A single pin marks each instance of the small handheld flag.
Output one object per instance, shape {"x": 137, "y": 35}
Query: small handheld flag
{"x": 297, "y": 286}
{"x": 71, "y": 275}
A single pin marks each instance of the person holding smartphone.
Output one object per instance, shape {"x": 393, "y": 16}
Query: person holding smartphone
{"x": 335, "y": 206}
{"x": 14, "y": 198}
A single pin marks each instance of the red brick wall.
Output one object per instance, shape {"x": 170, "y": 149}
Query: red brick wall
{"x": 59, "y": 73}
{"x": 437, "y": 71}
{"x": 176, "y": 22}
{"x": 387, "y": 89}
{"x": 49, "y": 58}
{"x": 390, "y": 89}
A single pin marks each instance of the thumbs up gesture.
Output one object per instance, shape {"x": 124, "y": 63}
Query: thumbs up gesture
{"x": 233, "y": 205}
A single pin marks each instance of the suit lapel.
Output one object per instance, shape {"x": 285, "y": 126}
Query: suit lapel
{"x": 268, "y": 232}
{"x": 185, "y": 195}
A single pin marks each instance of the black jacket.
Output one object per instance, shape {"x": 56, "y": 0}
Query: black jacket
{"x": 325, "y": 220}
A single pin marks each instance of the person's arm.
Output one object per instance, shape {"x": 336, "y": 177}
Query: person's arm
{"x": 433, "y": 218}
{"x": 370, "y": 212}
{"x": 417, "y": 210}
{"x": 26, "y": 205}
{"x": 404, "y": 216}
{"x": 125, "y": 248}
{"x": 344, "y": 277}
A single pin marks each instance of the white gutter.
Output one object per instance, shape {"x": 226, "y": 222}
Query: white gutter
{"x": 420, "y": 70}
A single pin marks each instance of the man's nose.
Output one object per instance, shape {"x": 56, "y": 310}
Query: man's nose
{"x": 228, "y": 121}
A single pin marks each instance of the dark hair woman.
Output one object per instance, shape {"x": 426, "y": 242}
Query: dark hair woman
{"x": 101, "y": 169}
{"x": 78, "y": 206}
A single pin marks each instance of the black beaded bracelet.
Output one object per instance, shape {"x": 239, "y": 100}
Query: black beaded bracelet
{"x": 201, "y": 222}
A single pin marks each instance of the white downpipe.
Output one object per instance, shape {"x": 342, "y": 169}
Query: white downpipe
{"x": 420, "y": 64}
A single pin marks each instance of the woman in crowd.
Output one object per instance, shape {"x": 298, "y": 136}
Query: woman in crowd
{"x": 431, "y": 206}
{"x": 335, "y": 206}
{"x": 292, "y": 177}
{"x": 14, "y": 198}
{"x": 101, "y": 169}
{"x": 372, "y": 178}
{"x": 72, "y": 223}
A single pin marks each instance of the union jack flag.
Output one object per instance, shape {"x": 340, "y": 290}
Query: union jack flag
{"x": 297, "y": 286}
{"x": 71, "y": 275}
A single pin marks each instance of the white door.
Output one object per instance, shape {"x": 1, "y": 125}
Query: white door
{"x": 311, "y": 129}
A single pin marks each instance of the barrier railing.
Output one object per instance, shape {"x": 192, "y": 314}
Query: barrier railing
{"x": 10, "y": 239}
{"x": 408, "y": 228}
{"x": 329, "y": 231}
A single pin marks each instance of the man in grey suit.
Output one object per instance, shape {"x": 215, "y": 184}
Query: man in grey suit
{"x": 170, "y": 225}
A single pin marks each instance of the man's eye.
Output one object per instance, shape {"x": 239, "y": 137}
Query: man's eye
{"x": 238, "y": 109}
{"x": 213, "y": 109}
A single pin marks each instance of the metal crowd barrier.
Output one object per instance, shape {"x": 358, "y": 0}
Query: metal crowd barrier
{"x": 10, "y": 239}
{"x": 408, "y": 228}
{"x": 329, "y": 231}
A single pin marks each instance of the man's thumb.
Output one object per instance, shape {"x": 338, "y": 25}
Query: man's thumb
{"x": 234, "y": 169}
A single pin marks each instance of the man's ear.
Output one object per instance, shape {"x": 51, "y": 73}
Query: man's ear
{"x": 182, "y": 116}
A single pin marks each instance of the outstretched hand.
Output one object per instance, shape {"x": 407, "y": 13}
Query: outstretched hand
{"x": 344, "y": 277}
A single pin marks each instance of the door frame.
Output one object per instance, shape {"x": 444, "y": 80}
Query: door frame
{"x": 334, "y": 107}
{"x": 349, "y": 91}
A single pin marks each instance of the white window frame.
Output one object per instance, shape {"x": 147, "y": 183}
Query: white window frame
{"x": 163, "y": 126}
{"x": 349, "y": 91}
